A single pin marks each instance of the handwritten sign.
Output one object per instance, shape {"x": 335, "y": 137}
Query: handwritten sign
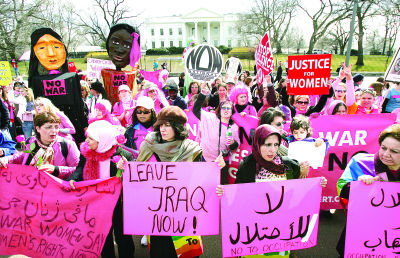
{"x": 94, "y": 67}
{"x": 54, "y": 87}
{"x": 392, "y": 74}
{"x": 204, "y": 63}
{"x": 119, "y": 78}
{"x": 347, "y": 136}
{"x": 39, "y": 218}
{"x": 233, "y": 67}
{"x": 264, "y": 59}
{"x": 281, "y": 216}
{"x": 309, "y": 74}
{"x": 373, "y": 220}
{"x": 171, "y": 198}
{"x": 5, "y": 73}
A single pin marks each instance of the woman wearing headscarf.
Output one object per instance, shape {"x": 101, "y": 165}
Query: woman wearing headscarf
{"x": 98, "y": 151}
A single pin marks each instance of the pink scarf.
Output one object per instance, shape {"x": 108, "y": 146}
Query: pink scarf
{"x": 91, "y": 169}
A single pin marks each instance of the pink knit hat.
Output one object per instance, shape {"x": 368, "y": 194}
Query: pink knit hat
{"x": 236, "y": 91}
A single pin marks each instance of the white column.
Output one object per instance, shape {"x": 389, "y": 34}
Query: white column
{"x": 195, "y": 33}
{"x": 209, "y": 33}
{"x": 184, "y": 35}
{"x": 221, "y": 34}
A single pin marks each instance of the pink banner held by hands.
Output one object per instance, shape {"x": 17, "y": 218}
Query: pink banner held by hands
{"x": 347, "y": 135}
{"x": 373, "y": 220}
{"x": 171, "y": 198}
{"x": 281, "y": 216}
{"x": 264, "y": 59}
{"x": 40, "y": 217}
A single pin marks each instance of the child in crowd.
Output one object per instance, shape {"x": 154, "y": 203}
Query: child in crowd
{"x": 302, "y": 131}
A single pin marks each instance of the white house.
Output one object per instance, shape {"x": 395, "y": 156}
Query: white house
{"x": 201, "y": 25}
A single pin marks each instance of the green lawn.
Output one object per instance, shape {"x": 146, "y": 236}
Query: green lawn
{"x": 372, "y": 63}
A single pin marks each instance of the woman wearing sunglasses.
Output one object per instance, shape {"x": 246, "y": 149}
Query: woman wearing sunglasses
{"x": 143, "y": 118}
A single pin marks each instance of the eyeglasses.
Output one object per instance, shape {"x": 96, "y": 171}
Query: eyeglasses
{"x": 151, "y": 91}
{"x": 142, "y": 112}
{"x": 280, "y": 123}
{"x": 341, "y": 91}
{"x": 226, "y": 108}
{"x": 302, "y": 102}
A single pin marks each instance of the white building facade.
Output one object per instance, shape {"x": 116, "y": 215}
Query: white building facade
{"x": 201, "y": 25}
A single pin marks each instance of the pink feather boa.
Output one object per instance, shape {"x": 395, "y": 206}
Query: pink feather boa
{"x": 91, "y": 169}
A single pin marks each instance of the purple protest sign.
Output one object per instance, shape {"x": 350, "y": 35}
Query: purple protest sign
{"x": 118, "y": 79}
{"x": 373, "y": 220}
{"x": 54, "y": 87}
{"x": 171, "y": 198}
{"x": 270, "y": 216}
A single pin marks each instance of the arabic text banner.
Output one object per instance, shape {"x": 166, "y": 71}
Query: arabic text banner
{"x": 270, "y": 217}
{"x": 171, "y": 198}
{"x": 373, "y": 228}
{"x": 41, "y": 218}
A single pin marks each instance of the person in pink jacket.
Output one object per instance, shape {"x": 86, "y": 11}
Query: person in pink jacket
{"x": 49, "y": 152}
{"x": 240, "y": 97}
{"x": 66, "y": 127}
{"x": 123, "y": 109}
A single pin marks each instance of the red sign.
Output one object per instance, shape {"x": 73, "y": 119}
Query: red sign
{"x": 72, "y": 68}
{"x": 309, "y": 75}
{"x": 264, "y": 59}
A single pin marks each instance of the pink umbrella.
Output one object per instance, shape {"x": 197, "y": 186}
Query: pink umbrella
{"x": 25, "y": 56}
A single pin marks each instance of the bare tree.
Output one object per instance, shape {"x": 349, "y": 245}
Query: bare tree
{"x": 389, "y": 9}
{"x": 340, "y": 35}
{"x": 97, "y": 26}
{"x": 16, "y": 18}
{"x": 328, "y": 13}
{"x": 269, "y": 16}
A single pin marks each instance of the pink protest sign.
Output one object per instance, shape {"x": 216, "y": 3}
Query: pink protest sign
{"x": 247, "y": 126}
{"x": 171, "y": 198}
{"x": 40, "y": 218}
{"x": 54, "y": 87}
{"x": 282, "y": 216}
{"x": 192, "y": 125}
{"x": 373, "y": 220}
{"x": 264, "y": 59}
{"x": 347, "y": 135}
{"x": 118, "y": 79}
{"x": 152, "y": 76}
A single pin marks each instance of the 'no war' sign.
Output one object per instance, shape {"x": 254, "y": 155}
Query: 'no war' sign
{"x": 204, "y": 63}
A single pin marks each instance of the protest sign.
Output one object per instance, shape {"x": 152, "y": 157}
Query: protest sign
{"x": 5, "y": 73}
{"x": 94, "y": 67}
{"x": 54, "y": 87}
{"x": 192, "y": 125}
{"x": 264, "y": 59}
{"x": 347, "y": 136}
{"x": 172, "y": 199}
{"x": 40, "y": 218}
{"x": 72, "y": 68}
{"x": 372, "y": 222}
{"x": 309, "y": 74}
{"x": 306, "y": 151}
{"x": 152, "y": 76}
{"x": 119, "y": 79}
{"x": 204, "y": 63}
{"x": 392, "y": 74}
{"x": 233, "y": 67}
{"x": 247, "y": 126}
{"x": 281, "y": 216}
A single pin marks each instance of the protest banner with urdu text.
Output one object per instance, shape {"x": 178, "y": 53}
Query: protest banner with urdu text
{"x": 171, "y": 198}
{"x": 94, "y": 67}
{"x": 347, "y": 135}
{"x": 39, "y": 217}
{"x": 203, "y": 63}
{"x": 270, "y": 216}
{"x": 373, "y": 220}
{"x": 264, "y": 59}
{"x": 309, "y": 74}
{"x": 5, "y": 73}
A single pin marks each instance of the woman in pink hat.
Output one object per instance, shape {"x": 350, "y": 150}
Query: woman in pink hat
{"x": 124, "y": 108}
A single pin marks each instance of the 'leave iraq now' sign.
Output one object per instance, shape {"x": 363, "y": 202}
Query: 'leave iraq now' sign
{"x": 171, "y": 198}
{"x": 309, "y": 75}
{"x": 204, "y": 63}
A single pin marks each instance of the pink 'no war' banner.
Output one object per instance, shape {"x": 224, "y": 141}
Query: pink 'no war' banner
{"x": 281, "y": 216}
{"x": 171, "y": 198}
{"x": 39, "y": 218}
{"x": 373, "y": 220}
{"x": 347, "y": 135}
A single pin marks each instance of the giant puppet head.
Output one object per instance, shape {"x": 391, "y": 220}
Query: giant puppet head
{"x": 120, "y": 42}
{"x": 48, "y": 53}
